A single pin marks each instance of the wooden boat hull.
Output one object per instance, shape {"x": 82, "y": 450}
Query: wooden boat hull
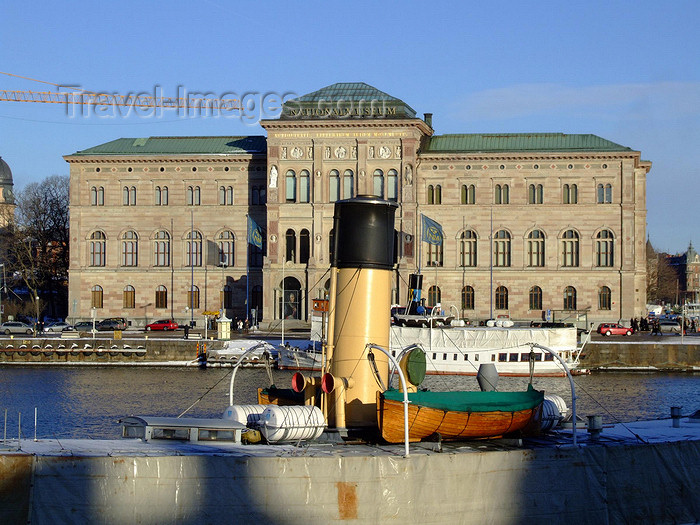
{"x": 424, "y": 422}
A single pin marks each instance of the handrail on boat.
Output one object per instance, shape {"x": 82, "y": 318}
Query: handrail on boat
{"x": 238, "y": 364}
{"x": 372, "y": 346}
{"x": 571, "y": 383}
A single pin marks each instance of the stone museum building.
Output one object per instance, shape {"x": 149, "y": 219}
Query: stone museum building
{"x": 536, "y": 225}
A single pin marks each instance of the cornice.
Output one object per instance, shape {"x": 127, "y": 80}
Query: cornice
{"x": 510, "y": 156}
{"x": 277, "y": 124}
{"x": 164, "y": 158}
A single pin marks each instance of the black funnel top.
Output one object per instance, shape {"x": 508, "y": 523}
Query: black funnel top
{"x": 364, "y": 233}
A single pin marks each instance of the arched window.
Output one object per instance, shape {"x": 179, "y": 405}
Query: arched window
{"x": 225, "y": 195}
{"x": 129, "y": 196}
{"x": 290, "y": 246}
{"x": 434, "y": 254}
{"x": 161, "y": 297}
{"x": 348, "y": 184}
{"x": 535, "y": 298}
{"x": 93, "y": 196}
{"x": 129, "y": 297}
{"x": 161, "y": 196}
{"x": 290, "y": 186}
{"x": 502, "y": 194}
{"x": 604, "y": 249}
{"x": 304, "y": 186}
{"x": 378, "y": 183}
{"x": 98, "y": 254}
{"x": 468, "y": 194}
{"x": 304, "y": 246}
{"x": 570, "y": 194}
{"x": 535, "y": 249}
{"x": 501, "y": 249}
{"x": 604, "y": 298}
{"x": 569, "y": 248}
{"x": 193, "y": 250}
{"x": 193, "y": 298}
{"x": 193, "y": 196}
{"x": 535, "y": 194}
{"x": 467, "y": 248}
{"x": 569, "y": 298}
{"x": 226, "y": 244}
{"x": 467, "y": 298}
{"x": 161, "y": 249}
{"x": 392, "y": 185}
{"x": 434, "y": 295}
{"x": 604, "y": 194}
{"x": 96, "y": 296}
{"x": 501, "y": 298}
{"x": 130, "y": 249}
{"x": 334, "y": 185}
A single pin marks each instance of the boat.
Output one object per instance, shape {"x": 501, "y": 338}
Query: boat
{"x": 459, "y": 415}
{"x": 457, "y": 350}
{"x": 258, "y": 353}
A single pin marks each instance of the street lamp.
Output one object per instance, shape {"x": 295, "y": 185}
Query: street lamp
{"x": 2, "y": 308}
{"x": 36, "y": 325}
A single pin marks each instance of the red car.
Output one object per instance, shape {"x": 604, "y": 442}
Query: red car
{"x": 165, "y": 324}
{"x": 614, "y": 329}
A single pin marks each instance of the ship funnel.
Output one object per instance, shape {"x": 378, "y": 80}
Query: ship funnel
{"x": 362, "y": 266}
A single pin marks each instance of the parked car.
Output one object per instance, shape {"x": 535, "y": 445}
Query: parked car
{"x": 165, "y": 324}
{"x": 669, "y": 326}
{"x": 58, "y": 326}
{"x": 16, "y": 327}
{"x": 614, "y": 329}
{"x": 83, "y": 326}
{"x": 119, "y": 323}
{"x": 109, "y": 325}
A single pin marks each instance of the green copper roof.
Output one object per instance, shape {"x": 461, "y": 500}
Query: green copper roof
{"x": 505, "y": 142}
{"x": 346, "y": 100}
{"x": 180, "y": 145}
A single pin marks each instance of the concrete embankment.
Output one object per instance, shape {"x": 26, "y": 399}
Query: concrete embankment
{"x": 664, "y": 355}
{"x": 142, "y": 351}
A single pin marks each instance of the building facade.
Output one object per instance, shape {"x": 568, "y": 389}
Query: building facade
{"x": 533, "y": 223}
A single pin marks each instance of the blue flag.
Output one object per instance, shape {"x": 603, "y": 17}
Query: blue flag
{"x": 254, "y": 233}
{"x": 432, "y": 231}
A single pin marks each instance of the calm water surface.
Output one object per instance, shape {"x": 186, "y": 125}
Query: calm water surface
{"x": 87, "y": 402}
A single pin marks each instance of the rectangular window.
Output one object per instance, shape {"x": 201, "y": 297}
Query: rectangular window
{"x": 513, "y": 358}
{"x": 502, "y": 357}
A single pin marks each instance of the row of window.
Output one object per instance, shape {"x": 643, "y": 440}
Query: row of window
{"x": 161, "y": 297}
{"x": 604, "y": 254}
{"x": 535, "y": 194}
{"x": 193, "y": 249}
{"x": 298, "y": 187}
{"x": 192, "y": 196}
{"x": 569, "y": 298}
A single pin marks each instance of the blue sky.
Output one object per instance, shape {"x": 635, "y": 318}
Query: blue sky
{"x": 626, "y": 71}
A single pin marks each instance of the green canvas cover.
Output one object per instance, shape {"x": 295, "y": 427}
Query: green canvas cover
{"x": 473, "y": 401}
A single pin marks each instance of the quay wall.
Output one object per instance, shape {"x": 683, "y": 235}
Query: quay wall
{"x": 597, "y": 355}
{"x": 666, "y": 356}
{"x": 563, "y": 485}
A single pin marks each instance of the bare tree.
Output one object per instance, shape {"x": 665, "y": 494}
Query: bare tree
{"x": 38, "y": 242}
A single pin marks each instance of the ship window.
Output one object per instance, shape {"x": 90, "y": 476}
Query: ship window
{"x": 434, "y": 356}
{"x": 444, "y": 357}
{"x": 182, "y": 434}
{"x": 548, "y": 357}
{"x": 466, "y": 357}
{"x": 205, "y": 434}
{"x": 393, "y": 353}
{"x": 454, "y": 358}
{"x": 502, "y": 357}
{"x": 538, "y": 356}
{"x": 525, "y": 356}
{"x": 476, "y": 357}
{"x": 513, "y": 358}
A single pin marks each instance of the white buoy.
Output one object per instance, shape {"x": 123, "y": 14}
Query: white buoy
{"x": 291, "y": 423}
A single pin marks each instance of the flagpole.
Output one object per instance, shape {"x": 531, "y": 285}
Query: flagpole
{"x": 420, "y": 242}
{"x": 247, "y": 268}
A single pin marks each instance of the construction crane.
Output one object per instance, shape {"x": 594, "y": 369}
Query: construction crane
{"x": 79, "y": 96}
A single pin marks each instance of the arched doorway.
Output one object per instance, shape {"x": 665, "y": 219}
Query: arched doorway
{"x": 289, "y": 304}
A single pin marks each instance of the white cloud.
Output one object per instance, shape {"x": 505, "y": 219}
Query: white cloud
{"x": 658, "y": 101}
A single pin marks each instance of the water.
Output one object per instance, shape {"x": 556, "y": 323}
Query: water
{"x": 87, "y": 402}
